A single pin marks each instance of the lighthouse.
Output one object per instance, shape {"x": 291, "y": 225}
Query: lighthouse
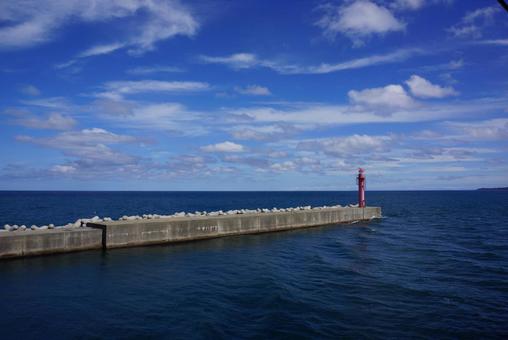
{"x": 361, "y": 188}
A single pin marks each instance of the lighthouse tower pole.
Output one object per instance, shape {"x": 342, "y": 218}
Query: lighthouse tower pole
{"x": 361, "y": 188}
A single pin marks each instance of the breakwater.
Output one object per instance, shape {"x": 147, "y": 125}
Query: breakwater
{"x": 97, "y": 233}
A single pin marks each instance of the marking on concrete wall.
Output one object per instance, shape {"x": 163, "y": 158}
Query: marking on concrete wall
{"x": 208, "y": 228}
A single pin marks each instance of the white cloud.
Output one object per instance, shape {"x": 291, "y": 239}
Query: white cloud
{"x": 263, "y": 132}
{"x": 89, "y": 145}
{"x": 97, "y": 50}
{"x": 54, "y": 103}
{"x": 408, "y": 4}
{"x": 349, "y": 145}
{"x": 53, "y": 121}
{"x": 498, "y": 42}
{"x": 171, "y": 117}
{"x": 247, "y": 60}
{"x": 452, "y": 65}
{"x": 283, "y": 166}
{"x": 473, "y": 23}
{"x": 31, "y": 90}
{"x": 31, "y": 22}
{"x": 493, "y": 129}
{"x": 223, "y": 147}
{"x": 379, "y": 59}
{"x": 389, "y": 96}
{"x": 144, "y": 70}
{"x": 254, "y": 90}
{"x": 63, "y": 169}
{"x": 116, "y": 89}
{"x": 359, "y": 19}
{"x": 423, "y": 88}
{"x": 312, "y": 115}
{"x": 237, "y": 60}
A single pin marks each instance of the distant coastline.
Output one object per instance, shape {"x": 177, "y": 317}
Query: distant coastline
{"x": 493, "y": 189}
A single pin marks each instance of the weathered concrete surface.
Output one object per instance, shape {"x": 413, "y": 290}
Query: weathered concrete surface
{"x": 38, "y": 242}
{"x": 176, "y": 229}
{"x": 117, "y": 234}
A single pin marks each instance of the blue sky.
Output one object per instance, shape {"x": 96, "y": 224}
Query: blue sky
{"x": 253, "y": 95}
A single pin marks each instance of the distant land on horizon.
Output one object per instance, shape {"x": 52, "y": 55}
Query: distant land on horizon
{"x": 493, "y": 189}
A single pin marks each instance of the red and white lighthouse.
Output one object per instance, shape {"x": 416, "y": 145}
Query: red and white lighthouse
{"x": 361, "y": 188}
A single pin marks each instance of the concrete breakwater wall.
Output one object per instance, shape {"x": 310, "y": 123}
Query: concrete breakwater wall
{"x": 49, "y": 242}
{"x": 136, "y": 232}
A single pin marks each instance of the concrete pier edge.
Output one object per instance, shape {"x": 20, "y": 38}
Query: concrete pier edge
{"x": 118, "y": 234}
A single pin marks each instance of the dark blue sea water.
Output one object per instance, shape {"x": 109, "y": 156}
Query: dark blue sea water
{"x": 436, "y": 266}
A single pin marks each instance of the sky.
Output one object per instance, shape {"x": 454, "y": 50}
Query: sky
{"x": 253, "y": 95}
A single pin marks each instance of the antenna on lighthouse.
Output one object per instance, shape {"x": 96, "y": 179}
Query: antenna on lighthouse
{"x": 361, "y": 187}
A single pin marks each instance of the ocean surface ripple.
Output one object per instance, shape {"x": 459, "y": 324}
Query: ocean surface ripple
{"x": 436, "y": 265}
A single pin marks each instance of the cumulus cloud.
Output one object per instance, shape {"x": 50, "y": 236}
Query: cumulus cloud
{"x": 246, "y": 60}
{"x": 33, "y": 22}
{"x": 223, "y": 147}
{"x": 253, "y": 90}
{"x": 421, "y": 87}
{"x": 358, "y": 20}
{"x": 388, "y": 96}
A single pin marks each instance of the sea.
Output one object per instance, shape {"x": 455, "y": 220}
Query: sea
{"x": 434, "y": 266}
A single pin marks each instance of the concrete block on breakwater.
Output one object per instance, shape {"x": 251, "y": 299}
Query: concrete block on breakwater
{"x": 139, "y": 232}
{"x": 29, "y": 243}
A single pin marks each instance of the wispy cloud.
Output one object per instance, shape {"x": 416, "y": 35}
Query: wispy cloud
{"x": 145, "y": 70}
{"x": 30, "y": 90}
{"x": 241, "y": 61}
{"x": 499, "y": 42}
{"x": 349, "y": 145}
{"x": 171, "y": 117}
{"x": 407, "y": 4}
{"x": 263, "y": 132}
{"x": 52, "y": 121}
{"x": 33, "y": 22}
{"x": 473, "y": 23}
{"x": 491, "y": 129}
{"x": 97, "y": 50}
{"x": 117, "y": 89}
{"x": 312, "y": 115}
{"x": 413, "y": 5}
{"x": 89, "y": 145}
